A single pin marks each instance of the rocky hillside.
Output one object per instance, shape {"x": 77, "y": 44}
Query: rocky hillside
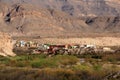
{"x": 56, "y": 18}
{"x": 5, "y": 45}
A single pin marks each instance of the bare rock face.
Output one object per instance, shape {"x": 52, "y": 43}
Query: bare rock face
{"x": 6, "y": 45}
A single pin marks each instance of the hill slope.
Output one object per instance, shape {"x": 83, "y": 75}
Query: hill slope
{"x": 55, "y": 18}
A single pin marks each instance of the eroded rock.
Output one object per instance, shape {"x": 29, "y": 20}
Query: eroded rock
{"x": 6, "y": 45}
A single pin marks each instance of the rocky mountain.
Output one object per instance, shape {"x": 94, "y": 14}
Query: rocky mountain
{"x": 56, "y": 18}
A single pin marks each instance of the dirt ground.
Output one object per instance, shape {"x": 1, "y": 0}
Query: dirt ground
{"x": 100, "y": 41}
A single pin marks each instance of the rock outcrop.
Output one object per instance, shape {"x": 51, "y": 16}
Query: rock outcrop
{"x": 6, "y": 45}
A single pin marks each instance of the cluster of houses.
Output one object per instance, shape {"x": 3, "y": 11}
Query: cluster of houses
{"x": 58, "y": 49}
{"x": 26, "y": 44}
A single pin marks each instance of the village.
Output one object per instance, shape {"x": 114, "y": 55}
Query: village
{"x": 36, "y": 48}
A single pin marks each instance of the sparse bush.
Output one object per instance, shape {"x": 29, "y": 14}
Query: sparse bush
{"x": 50, "y": 67}
{"x": 111, "y": 57}
{"x": 66, "y": 59}
{"x": 42, "y": 63}
{"x": 97, "y": 67}
{"x": 55, "y": 74}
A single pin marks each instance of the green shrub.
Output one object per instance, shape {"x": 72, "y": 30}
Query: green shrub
{"x": 97, "y": 67}
{"x": 111, "y": 58}
{"x": 22, "y": 64}
{"x": 82, "y": 67}
{"x": 65, "y": 59}
{"x": 42, "y": 63}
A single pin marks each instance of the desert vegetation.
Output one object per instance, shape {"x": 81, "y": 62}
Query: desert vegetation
{"x": 100, "y": 66}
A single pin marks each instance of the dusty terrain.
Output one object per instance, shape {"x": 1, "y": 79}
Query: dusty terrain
{"x": 100, "y": 41}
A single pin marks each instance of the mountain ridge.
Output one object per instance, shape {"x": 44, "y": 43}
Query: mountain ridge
{"x": 55, "y": 18}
